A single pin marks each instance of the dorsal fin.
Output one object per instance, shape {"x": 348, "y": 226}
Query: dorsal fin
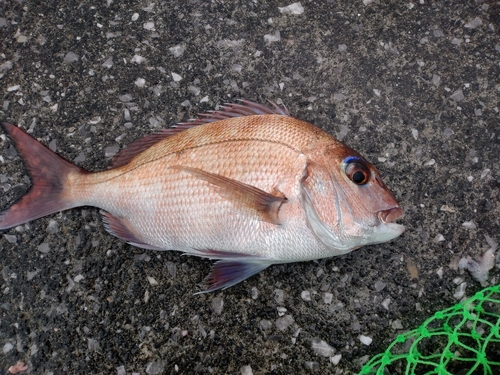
{"x": 142, "y": 144}
{"x": 231, "y": 110}
{"x": 227, "y": 111}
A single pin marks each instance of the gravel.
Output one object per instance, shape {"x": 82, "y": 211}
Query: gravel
{"x": 413, "y": 86}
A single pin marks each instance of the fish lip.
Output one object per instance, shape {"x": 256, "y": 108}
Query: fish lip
{"x": 390, "y": 215}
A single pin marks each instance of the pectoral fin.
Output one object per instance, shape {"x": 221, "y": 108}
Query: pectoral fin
{"x": 228, "y": 272}
{"x": 266, "y": 205}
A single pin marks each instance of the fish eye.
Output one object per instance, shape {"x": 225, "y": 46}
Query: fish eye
{"x": 356, "y": 171}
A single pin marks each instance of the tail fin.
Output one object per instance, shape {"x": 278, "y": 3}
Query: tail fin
{"x": 48, "y": 173}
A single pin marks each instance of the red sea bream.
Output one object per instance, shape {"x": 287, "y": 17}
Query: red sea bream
{"x": 247, "y": 185}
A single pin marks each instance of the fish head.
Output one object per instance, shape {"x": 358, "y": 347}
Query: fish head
{"x": 347, "y": 204}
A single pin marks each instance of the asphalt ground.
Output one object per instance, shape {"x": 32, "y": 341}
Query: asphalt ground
{"x": 412, "y": 85}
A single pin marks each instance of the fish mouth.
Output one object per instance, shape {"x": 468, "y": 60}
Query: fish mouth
{"x": 390, "y": 215}
{"x": 390, "y": 229}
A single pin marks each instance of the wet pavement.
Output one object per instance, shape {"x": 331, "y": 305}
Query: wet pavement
{"x": 412, "y": 85}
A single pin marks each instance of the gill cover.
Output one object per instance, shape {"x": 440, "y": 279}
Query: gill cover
{"x": 345, "y": 214}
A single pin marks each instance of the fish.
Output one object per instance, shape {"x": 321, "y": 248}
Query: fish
{"x": 246, "y": 185}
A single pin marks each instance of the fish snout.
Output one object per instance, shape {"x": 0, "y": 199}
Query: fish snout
{"x": 390, "y": 215}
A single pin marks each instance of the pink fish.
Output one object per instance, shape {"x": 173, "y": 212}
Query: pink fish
{"x": 248, "y": 185}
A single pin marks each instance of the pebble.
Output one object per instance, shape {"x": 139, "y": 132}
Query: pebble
{"x": 322, "y": 348}
{"x": 365, "y": 339}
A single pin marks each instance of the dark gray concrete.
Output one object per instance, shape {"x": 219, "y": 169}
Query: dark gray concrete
{"x": 412, "y": 85}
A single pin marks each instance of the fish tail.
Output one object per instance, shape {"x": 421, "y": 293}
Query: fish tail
{"x": 48, "y": 172}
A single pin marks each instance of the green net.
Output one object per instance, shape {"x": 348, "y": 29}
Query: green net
{"x": 464, "y": 339}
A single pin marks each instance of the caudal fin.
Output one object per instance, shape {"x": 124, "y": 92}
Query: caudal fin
{"x": 48, "y": 173}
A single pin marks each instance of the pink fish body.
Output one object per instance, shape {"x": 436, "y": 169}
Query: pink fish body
{"x": 249, "y": 186}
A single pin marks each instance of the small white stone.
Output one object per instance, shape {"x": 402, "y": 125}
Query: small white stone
{"x": 436, "y": 80}
{"x": 149, "y": 25}
{"x": 43, "y": 248}
{"x": 279, "y": 295}
{"x": 71, "y": 57}
{"x": 336, "y": 359}
{"x": 255, "y": 293}
{"x": 365, "y": 339}
{"x": 152, "y": 281}
{"x": 108, "y": 63}
{"x": 460, "y": 291}
{"x": 194, "y": 90}
{"x": 176, "y": 77}
{"x": 440, "y": 272}
{"x": 137, "y": 59}
{"x": 111, "y": 151}
{"x": 53, "y": 226}
{"x": 177, "y": 50}
{"x": 379, "y": 286}
{"x": 246, "y": 370}
{"x": 217, "y": 305}
{"x": 474, "y": 23}
{"x": 322, "y": 348}
{"x": 284, "y": 322}
{"x": 305, "y": 295}
{"x": 414, "y": 133}
{"x": 458, "y": 96}
{"x": 396, "y": 324}
{"x": 328, "y": 298}
{"x": 270, "y": 38}
{"x": 485, "y": 172}
{"x": 135, "y": 16}
{"x": 295, "y": 8}
{"x": 11, "y": 238}
{"x": 439, "y": 238}
{"x": 7, "y": 348}
{"x": 155, "y": 368}
{"x": 469, "y": 225}
{"x": 78, "y": 278}
{"x": 13, "y": 88}
{"x": 385, "y": 303}
{"x": 140, "y": 82}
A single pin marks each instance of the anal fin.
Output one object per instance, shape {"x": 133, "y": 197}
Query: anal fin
{"x": 228, "y": 272}
{"x": 266, "y": 205}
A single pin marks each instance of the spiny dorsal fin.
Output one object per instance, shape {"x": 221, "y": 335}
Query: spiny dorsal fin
{"x": 139, "y": 145}
{"x": 229, "y": 110}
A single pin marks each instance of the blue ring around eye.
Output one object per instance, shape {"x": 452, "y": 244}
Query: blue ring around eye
{"x": 349, "y": 159}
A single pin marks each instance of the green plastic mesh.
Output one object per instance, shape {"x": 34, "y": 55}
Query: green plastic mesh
{"x": 463, "y": 339}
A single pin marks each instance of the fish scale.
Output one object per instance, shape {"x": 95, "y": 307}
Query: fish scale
{"x": 247, "y": 185}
